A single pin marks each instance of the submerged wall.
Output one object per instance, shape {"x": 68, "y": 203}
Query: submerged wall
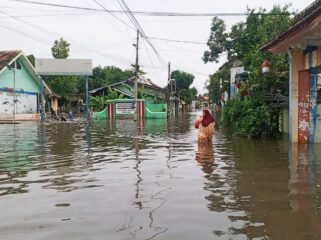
{"x": 317, "y": 136}
{"x": 284, "y": 121}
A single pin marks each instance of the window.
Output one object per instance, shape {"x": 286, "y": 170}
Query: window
{"x": 18, "y": 65}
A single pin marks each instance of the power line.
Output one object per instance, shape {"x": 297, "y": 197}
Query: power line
{"x": 111, "y": 13}
{"x": 47, "y": 15}
{"x": 159, "y": 14}
{"x": 27, "y": 35}
{"x": 81, "y": 46}
{"x": 151, "y": 61}
{"x": 132, "y": 18}
{"x": 180, "y": 41}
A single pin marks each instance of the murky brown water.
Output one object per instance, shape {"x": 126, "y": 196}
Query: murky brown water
{"x": 70, "y": 181}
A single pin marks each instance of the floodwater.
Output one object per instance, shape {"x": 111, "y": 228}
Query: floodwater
{"x": 151, "y": 180}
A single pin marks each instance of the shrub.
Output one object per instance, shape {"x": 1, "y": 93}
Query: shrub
{"x": 250, "y": 117}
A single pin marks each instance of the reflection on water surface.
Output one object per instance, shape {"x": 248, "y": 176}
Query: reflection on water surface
{"x": 151, "y": 180}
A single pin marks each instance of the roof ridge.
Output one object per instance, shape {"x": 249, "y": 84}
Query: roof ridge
{"x": 314, "y": 6}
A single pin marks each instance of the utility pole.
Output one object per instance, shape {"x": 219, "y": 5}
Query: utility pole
{"x": 169, "y": 90}
{"x": 136, "y": 76}
{"x": 42, "y": 100}
{"x": 14, "y": 92}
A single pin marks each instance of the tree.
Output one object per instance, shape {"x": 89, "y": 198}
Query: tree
{"x": 183, "y": 83}
{"x": 215, "y": 89}
{"x": 217, "y": 42}
{"x": 60, "y": 49}
{"x": 103, "y": 76}
{"x": 31, "y": 59}
{"x": 183, "y": 79}
{"x": 65, "y": 86}
{"x": 243, "y": 43}
{"x": 188, "y": 95}
{"x": 246, "y": 37}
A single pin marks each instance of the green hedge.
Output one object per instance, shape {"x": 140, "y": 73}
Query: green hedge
{"x": 250, "y": 117}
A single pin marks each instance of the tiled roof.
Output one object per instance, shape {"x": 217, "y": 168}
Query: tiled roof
{"x": 307, "y": 11}
{"x": 301, "y": 21}
{"x": 7, "y": 56}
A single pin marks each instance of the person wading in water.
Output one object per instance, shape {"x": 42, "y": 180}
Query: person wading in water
{"x": 205, "y": 125}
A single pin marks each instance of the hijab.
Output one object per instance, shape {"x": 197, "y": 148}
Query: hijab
{"x": 207, "y": 118}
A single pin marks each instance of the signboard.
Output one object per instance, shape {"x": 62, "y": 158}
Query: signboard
{"x": 46, "y": 66}
{"x": 125, "y": 108}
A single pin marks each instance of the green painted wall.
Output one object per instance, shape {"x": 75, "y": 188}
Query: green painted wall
{"x": 24, "y": 80}
{"x": 284, "y": 121}
{"x": 155, "y": 111}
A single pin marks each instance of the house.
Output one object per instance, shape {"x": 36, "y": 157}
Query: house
{"x": 146, "y": 89}
{"x": 302, "y": 42}
{"x": 150, "y": 103}
{"x": 19, "y": 87}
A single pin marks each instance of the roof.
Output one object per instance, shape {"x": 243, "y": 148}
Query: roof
{"x": 302, "y": 22}
{"x": 9, "y": 57}
{"x": 6, "y": 57}
{"x": 145, "y": 81}
{"x": 141, "y": 80}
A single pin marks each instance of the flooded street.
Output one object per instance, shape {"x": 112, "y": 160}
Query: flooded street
{"x": 119, "y": 181}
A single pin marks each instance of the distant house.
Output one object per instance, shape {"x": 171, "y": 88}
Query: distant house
{"x": 146, "y": 89}
{"x": 302, "y": 42}
{"x": 18, "y": 78}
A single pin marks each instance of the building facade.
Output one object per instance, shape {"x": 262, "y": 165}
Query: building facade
{"x": 19, "y": 87}
{"x": 302, "y": 42}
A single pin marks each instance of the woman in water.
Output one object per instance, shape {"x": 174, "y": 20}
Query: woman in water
{"x": 205, "y": 125}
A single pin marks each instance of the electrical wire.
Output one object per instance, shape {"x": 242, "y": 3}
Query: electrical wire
{"x": 46, "y": 15}
{"x": 160, "y": 14}
{"x": 81, "y": 46}
{"x": 112, "y": 14}
{"x": 133, "y": 19}
{"x": 180, "y": 41}
{"x": 152, "y": 63}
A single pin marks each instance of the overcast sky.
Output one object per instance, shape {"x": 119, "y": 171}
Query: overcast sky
{"x": 108, "y": 41}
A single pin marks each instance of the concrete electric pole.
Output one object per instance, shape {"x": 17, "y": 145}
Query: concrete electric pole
{"x": 136, "y": 76}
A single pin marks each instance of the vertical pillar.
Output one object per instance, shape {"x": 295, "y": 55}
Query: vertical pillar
{"x": 141, "y": 109}
{"x": 110, "y": 110}
{"x": 87, "y": 98}
{"x": 42, "y": 100}
{"x": 297, "y": 64}
{"x": 313, "y": 94}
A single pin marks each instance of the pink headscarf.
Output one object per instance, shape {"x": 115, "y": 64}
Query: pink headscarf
{"x": 207, "y": 118}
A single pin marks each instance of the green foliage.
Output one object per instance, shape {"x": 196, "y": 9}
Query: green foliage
{"x": 31, "y": 59}
{"x": 103, "y": 76}
{"x": 113, "y": 94}
{"x": 60, "y": 49}
{"x": 217, "y": 42}
{"x": 250, "y": 116}
{"x": 187, "y": 95}
{"x": 245, "y": 38}
{"x": 65, "y": 86}
{"x": 214, "y": 87}
{"x": 98, "y": 103}
{"x": 183, "y": 79}
{"x": 183, "y": 83}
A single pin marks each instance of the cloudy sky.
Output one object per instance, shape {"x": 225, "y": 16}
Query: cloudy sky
{"x": 107, "y": 38}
